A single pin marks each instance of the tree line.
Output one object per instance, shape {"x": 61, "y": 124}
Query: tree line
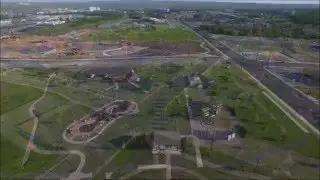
{"x": 270, "y": 32}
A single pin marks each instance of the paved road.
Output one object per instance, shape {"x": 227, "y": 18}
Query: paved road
{"x": 300, "y": 104}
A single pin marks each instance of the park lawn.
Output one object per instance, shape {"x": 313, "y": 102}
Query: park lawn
{"x": 258, "y": 116}
{"x": 160, "y": 33}
{"x": 124, "y": 157}
{"x": 50, "y": 102}
{"x": 13, "y": 96}
{"x": 138, "y": 151}
{"x": 209, "y": 172}
{"x": 22, "y": 77}
{"x": 310, "y": 56}
{"x": 52, "y": 123}
{"x": 80, "y": 24}
{"x": 12, "y": 143}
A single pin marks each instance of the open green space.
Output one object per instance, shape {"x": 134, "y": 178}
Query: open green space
{"x": 314, "y": 92}
{"x": 259, "y": 118}
{"x": 13, "y": 96}
{"x": 80, "y": 24}
{"x": 12, "y": 143}
{"x": 157, "y": 34}
{"x": 150, "y": 174}
{"x": 55, "y": 114}
{"x": 162, "y": 73}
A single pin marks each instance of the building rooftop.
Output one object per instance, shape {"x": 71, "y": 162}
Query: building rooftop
{"x": 167, "y": 138}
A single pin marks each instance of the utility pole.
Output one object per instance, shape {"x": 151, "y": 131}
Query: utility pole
{"x": 125, "y": 37}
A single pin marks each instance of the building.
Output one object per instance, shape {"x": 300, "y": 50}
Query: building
{"x": 195, "y": 80}
{"x": 6, "y": 22}
{"x": 166, "y": 141}
{"x": 93, "y": 8}
{"x": 218, "y": 135}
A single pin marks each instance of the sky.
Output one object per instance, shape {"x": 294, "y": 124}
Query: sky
{"x": 239, "y": 1}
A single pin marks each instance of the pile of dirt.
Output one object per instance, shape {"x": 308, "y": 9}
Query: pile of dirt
{"x": 169, "y": 47}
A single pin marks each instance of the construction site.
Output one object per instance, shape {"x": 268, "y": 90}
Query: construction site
{"x": 76, "y": 45}
{"x": 89, "y": 128}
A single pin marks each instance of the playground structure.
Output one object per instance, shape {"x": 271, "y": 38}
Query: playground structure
{"x": 90, "y": 127}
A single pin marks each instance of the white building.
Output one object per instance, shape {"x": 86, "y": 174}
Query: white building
{"x": 6, "y": 22}
{"x": 92, "y": 8}
{"x": 159, "y": 21}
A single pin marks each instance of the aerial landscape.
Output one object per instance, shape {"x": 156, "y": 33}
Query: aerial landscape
{"x": 159, "y": 90}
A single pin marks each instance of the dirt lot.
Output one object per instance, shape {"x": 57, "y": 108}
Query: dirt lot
{"x": 72, "y": 45}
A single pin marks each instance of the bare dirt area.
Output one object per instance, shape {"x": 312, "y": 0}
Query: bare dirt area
{"x": 166, "y": 48}
{"x": 266, "y": 55}
{"x": 90, "y": 127}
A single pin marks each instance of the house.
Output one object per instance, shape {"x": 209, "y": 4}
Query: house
{"x": 92, "y": 8}
{"x": 166, "y": 141}
{"x": 91, "y": 76}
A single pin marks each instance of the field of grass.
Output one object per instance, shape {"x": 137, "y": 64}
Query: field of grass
{"x": 314, "y": 92}
{"x": 160, "y": 33}
{"x": 55, "y": 114}
{"x": 84, "y": 23}
{"x": 11, "y": 159}
{"x": 12, "y": 143}
{"x": 258, "y": 116}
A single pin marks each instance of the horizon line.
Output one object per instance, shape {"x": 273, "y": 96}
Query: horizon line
{"x": 290, "y": 2}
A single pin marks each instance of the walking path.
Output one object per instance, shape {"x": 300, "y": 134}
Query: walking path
{"x": 32, "y": 146}
{"x": 314, "y": 100}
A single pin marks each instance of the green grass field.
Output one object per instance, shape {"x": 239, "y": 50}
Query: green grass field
{"x": 12, "y": 143}
{"x": 161, "y": 33}
{"x": 314, "y": 92}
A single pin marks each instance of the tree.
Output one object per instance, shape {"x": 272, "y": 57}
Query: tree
{"x": 297, "y": 32}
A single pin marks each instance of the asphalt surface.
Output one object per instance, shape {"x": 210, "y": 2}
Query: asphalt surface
{"x": 306, "y": 108}
{"x": 127, "y": 61}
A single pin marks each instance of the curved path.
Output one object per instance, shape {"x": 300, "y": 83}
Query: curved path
{"x": 105, "y": 52}
{"x": 105, "y": 127}
{"x": 32, "y": 146}
{"x": 162, "y": 166}
{"x": 36, "y": 121}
